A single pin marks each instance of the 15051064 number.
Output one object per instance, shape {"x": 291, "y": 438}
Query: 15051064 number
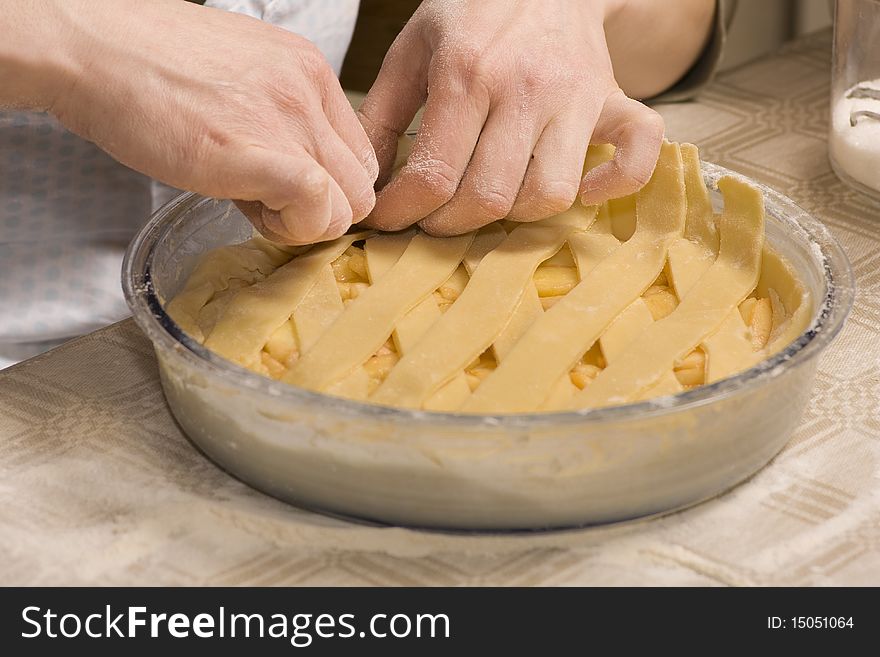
{"x": 810, "y": 622}
{"x": 821, "y": 622}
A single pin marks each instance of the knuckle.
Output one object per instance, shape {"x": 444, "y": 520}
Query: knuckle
{"x": 287, "y": 98}
{"x": 437, "y": 178}
{"x": 312, "y": 184}
{"x": 652, "y": 116}
{"x": 463, "y": 67}
{"x": 641, "y": 120}
{"x": 482, "y": 72}
{"x": 557, "y": 196}
{"x": 493, "y": 203}
{"x": 299, "y": 107}
{"x": 654, "y": 123}
{"x": 464, "y": 56}
{"x": 301, "y": 184}
{"x": 311, "y": 58}
{"x": 436, "y": 228}
{"x": 537, "y": 76}
{"x": 551, "y": 198}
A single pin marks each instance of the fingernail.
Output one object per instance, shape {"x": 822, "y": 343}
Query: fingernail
{"x": 339, "y": 224}
{"x": 334, "y": 232}
{"x": 300, "y": 230}
{"x": 371, "y": 164}
{"x": 364, "y": 205}
{"x": 590, "y": 194}
{"x": 587, "y": 195}
{"x": 271, "y": 219}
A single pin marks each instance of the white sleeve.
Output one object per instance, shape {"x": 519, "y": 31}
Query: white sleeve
{"x": 328, "y": 24}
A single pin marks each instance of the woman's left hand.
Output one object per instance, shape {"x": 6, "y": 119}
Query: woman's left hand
{"x": 514, "y": 93}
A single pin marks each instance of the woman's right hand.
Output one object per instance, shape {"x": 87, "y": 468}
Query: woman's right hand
{"x": 215, "y": 103}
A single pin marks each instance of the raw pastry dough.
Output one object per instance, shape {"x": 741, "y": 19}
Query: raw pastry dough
{"x": 640, "y": 297}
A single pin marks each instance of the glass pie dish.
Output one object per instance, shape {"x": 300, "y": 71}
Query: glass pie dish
{"x": 485, "y": 472}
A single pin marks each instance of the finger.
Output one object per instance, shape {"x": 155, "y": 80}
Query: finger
{"x": 450, "y": 130}
{"x": 270, "y": 224}
{"x": 345, "y": 123}
{"x": 493, "y": 177}
{"x": 397, "y": 94}
{"x": 253, "y": 210}
{"x": 636, "y": 131}
{"x": 551, "y": 183}
{"x": 308, "y": 203}
{"x": 301, "y": 227}
{"x": 346, "y": 169}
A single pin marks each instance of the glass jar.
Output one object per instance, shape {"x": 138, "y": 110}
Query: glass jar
{"x": 854, "y": 138}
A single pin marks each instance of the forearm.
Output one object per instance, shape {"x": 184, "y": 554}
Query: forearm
{"x": 653, "y": 43}
{"x": 36, "y": 60}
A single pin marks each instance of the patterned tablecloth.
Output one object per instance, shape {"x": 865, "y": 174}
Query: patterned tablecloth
{"x": 99, "y": 486}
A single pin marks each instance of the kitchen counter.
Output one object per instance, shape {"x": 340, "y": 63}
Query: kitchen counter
{"x": 99, "y": 486}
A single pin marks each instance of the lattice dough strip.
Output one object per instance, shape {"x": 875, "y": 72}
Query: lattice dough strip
{"x": 248, "y": 262}
{"x": 560, "y": 394}
{"x": 530, "y": 308}
{"x": 700, "y": 224}
{"x": 589, "y": 249}
{"x": 625, "y": 329}
{"x": 318, "y": 310}
{"x": 314, "y": 316}
{"x": 525, "y": 312}
{"x": 719, "y": 291}
{"x": 370, "y": 318}
{"x": 554, "y": 343}
{"x": 776, "y": 274}
{"x": 478, "y": 316}
{"x": 257, "y": 311}
{"x": 381, "y": 253}
{"x": 635, "y": 317}
{"x": 593, "y": 246}
{"x": 212, "y": 311}
{"x": 667, "y": 385}
{"x": 692, "y": 255}
{"x": 729, "y": 349}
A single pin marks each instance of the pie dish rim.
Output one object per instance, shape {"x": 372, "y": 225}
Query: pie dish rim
{"x": 827, "y": 319}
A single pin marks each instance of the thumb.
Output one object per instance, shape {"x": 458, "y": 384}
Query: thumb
{"x": 298, "y": 201}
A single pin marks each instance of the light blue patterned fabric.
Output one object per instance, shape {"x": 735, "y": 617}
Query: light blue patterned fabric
{"x": 67, "y": 210}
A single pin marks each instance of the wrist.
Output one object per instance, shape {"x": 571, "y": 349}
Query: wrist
{"x": 36, "y": 58}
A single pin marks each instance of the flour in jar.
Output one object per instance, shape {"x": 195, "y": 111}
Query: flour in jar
{"x": 854, "y": 141}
